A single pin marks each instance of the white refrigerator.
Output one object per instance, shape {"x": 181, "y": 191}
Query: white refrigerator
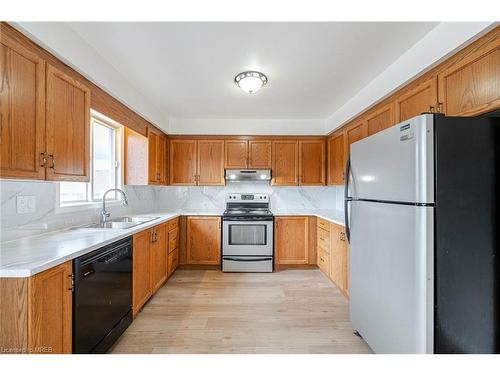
{"x": 391, "y": 222}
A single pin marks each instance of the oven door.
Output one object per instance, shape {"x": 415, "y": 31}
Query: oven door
{"x": 243, "y": 237}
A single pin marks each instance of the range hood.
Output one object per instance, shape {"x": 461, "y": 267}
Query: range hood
{"x": 248, "y": 174}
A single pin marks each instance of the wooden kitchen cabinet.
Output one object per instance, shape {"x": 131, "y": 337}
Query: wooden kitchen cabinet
{"x": 472, "y": 86}
{"x": 157, "y": 157}
{"x": 336, "y": 158}
{"x": 241, "y": 153}
{"x": 22, "y": 111}
{"x": 173, "y": 246}
{"x": 197, "y": 162}
{"x": 210, "y": 162}
{"x": 67, "y": 128}
{"x": 159, "y": 252}
{"x": 380, "y": 119}
{"x": 36, "y": 312}
{"x": 339, "y": 258}
{"x": 417, "y": 99}
{"x": 291, "y": 238}
{"x": 203, "y": 240}
{"x": 312, "y": 154}
{"x": 285, "y": 165}
{"x": 183, "y": 162}
{"x": 353, "y": 134}
{"x": 141, "y": 270}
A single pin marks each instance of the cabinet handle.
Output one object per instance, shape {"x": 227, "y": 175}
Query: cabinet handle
{"x": 71, "y": 282}
{"x": 43, "y": 160}
{"x": 431, "y": 109}
{"x": 439, "y": 107}
{"x": 52, "y": 162}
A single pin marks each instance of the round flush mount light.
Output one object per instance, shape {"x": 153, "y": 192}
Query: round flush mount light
{"x": 250, "y": 81}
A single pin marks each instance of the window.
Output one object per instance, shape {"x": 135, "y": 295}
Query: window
{"x": 106, "y": 136}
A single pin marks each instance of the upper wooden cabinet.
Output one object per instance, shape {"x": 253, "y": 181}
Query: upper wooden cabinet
{"x": 183, "y": 162}
{"x": 203, "y": 240}
{"x": 336, "y": 158}
{"x": 312, "y": 162}
{"x": 236, "y": 154}
{"x": 380, "y": 119}
{"x": 22, "y": 111}
{"x": 157, "y": 157}
{"x": 285, "y": 162}
{"x": 416, "y": 100}
{"x": 248, "y": 154}
{"x": 210, "y": 165}
{"x": 68, "y": 127}
{"x": 291, "y": 240}
{"x": 354, "y": 133}
{"x": 472, "y": 86}
{"x": 196, "y": 162}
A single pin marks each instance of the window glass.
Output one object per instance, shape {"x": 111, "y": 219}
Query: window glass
{"x": 103, "y": 160}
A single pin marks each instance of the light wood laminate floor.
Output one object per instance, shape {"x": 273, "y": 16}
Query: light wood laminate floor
{"x": 291, "y": 311}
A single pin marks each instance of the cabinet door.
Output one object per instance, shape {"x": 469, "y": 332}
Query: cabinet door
{"x": 285, "y": 163}
{"x": 153, "y": 177}
{"x": 291, "y": 240}
{"x": 136, "y": 163}
{"x": 159, "y": 253}
{"x": 173, "y": 262}
{"x": 380, "y": 119}
{"x": 236, "y": 154}
{"x": 203, "y": 240}
{"x": 336, "y": 159}
{"x": 141, "y": 270}
{"x": 338, "y": 258}
{"x": 472, "y": 86}
{"x": 22, "y": 111}
{"x": 259, "y": 154}
{"x": 67, "y": 128}
{"x": 161, "y": 159}
{"x": 312, "y": 162}
{"x": 355, "y": 133}
{"x": 419, "y": 99}
{"x": 210, "y": 162}
{"x": 183, "y": 162}
{"x": 50, "y": 310}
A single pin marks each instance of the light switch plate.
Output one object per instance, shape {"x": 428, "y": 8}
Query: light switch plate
{"x": 26, "y": 204}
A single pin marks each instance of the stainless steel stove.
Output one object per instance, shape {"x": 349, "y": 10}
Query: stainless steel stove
{"x": 247, "y": 233}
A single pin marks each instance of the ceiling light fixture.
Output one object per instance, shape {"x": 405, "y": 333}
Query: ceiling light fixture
{"x": 250, "y": 81}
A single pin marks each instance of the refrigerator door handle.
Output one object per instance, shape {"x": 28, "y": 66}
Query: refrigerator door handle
{"x": 347, "y": 199}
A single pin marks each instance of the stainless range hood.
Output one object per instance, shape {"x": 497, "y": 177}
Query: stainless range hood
{"x": 248, "y": 174}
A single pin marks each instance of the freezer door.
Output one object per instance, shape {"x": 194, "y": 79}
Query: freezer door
{"x": 391, "y": 276}
{"x": 396, "y": 164}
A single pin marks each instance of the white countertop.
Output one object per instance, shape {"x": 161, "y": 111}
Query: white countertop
{"x": 31, "y": 255}
{"x": 335, "y": 216}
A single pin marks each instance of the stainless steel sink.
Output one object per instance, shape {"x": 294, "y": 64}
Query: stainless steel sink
{"x": 122, "y": 222}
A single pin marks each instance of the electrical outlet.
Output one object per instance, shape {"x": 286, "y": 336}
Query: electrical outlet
{"x": 26, "y": 204}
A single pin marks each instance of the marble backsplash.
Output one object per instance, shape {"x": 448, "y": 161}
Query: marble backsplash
{"x": 143, "y": 199}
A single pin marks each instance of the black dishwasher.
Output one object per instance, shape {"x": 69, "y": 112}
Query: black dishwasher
{"x": 102, "y": 297}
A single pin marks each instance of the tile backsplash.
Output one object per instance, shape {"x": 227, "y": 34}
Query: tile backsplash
{"x": 143, "y": 199}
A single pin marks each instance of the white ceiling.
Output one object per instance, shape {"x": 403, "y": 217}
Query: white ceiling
{"x": 187, "y": 69}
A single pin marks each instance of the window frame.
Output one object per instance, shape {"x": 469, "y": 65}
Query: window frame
{"x": 90, "y": 202}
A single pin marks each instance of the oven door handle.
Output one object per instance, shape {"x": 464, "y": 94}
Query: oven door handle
{"x": 248, "y": 260}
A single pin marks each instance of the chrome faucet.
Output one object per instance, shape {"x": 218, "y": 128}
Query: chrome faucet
{"x": 105, "y": 214}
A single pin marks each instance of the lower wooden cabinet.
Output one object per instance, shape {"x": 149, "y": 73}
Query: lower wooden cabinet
{"x": 203, "y": 243}
{"x": 159, "y": 251}
{"x": 36, "y": 312}
{"x": 173, "y": 262}
{"x": 339, "y": 258}
{"x": 291, "y": 240}
{"x": 141, "y": 270}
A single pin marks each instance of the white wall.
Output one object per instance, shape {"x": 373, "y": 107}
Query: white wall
{"x": 440, "y": 43}
{"x": 246, "y": 126}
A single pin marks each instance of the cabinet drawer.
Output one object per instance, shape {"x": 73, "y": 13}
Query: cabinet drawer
{"x": 323, "y": 224}
{"x": 324, "y": 239}
{"x": 173, "y": 262}
{"x": 173, "y": 239}
{"x": 324, "y": 261}
{"x": 174, "y": 223}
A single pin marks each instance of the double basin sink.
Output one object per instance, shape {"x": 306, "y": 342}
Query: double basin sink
{"x": 122, "y": 222}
